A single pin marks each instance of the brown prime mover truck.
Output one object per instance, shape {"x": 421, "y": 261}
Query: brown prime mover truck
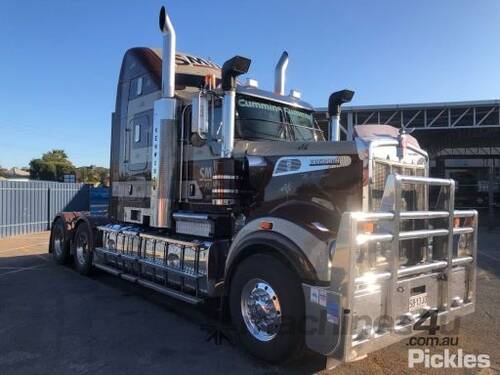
{"x": 223, "y": 190}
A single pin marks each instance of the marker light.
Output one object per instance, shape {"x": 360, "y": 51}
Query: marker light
{"x": 295, "y": 94}
{"x": 266, "y": 225}
{"x": 367, "y": 227}
{"x": 210, "y": 81}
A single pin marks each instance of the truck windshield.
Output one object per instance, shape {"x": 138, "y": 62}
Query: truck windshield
{"x": 264, "y": 120}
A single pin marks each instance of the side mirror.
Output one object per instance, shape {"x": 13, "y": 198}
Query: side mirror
{"x": 199, "y": 117}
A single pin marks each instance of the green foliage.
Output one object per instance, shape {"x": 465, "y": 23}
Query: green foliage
{"x": 52, "y": 166}
{"x": 56, "y": 156}
{"x": 93, "y": 175}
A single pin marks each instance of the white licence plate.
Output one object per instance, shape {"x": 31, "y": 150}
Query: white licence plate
{"x": 417, "y": 302}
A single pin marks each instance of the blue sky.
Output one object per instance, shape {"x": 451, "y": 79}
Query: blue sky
{"x": 60, "y": 59}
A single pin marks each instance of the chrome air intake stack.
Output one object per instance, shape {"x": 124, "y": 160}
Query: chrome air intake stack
{"x": 227, "y": 170}
{"x": 334, "y": 102}
{"x": 231, "y": 69}
{"x": 280, "y": 74}
{"x": 164, "y": 150}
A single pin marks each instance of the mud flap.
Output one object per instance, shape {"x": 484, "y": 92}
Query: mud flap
{"x": 323, "y": 320}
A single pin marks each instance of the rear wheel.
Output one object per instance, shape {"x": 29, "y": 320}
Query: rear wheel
{"x": 82, "y": 249}
{"x": 59, "y": 244}
{"x": 267, "y": 308}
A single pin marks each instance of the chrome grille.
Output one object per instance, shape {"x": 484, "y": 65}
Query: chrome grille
{"x": 413, "y": 196}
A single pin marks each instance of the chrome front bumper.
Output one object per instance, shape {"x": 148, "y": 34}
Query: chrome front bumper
{"x": 360, "y": 313}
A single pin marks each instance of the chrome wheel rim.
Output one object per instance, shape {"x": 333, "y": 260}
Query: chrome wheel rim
{"x": 58, "y": 242}
{"x": 81, "y": 249}
{"x": 261, "y": 310}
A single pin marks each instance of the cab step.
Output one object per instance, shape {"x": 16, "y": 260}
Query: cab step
{"x": 148, "y": 284}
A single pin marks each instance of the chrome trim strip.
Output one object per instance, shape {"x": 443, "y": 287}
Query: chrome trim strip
{"x": 464, "y": 213}
{"x": 225, "y": 191}
{"x": 170, "y": 240}
{"x": 421, "y": 268}
{"x": 381, "y": 237}
{"x": 372, "y": 278}
{"x": 261, "y": 94}
{"x": 399, "y": 164}
{"x": 223, "y": 202}
{"x": 415, "y": 234}
{"x": 463, "y": 230}
{"x": 225, "y": 177}
{"x": 190, "y": 216}
{"x": 424, "y": 180}
{"x": 463, "y": 260}
{"x": 407, "y": 215}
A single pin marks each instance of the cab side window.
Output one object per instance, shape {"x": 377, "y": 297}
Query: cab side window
{"x": 142, "y": 85}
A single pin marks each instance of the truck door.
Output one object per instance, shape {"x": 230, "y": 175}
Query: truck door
{"x": 138, "y": 143}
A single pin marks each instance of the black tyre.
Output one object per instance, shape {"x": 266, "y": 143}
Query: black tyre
{"x": 59, "y": 244}
{"x": 83, "y": 249}
{"x": 267, "y": 308}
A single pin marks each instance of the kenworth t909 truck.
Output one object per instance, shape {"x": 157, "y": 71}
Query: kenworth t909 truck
{"x": 220, "y": 189}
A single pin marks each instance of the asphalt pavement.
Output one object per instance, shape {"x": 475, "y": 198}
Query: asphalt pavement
{"x": 54, "y": 321}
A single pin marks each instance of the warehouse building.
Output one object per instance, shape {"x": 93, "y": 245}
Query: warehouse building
{"x": 462, "y": 139}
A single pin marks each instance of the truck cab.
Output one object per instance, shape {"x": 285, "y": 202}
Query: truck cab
{"x": 220, "y": 189}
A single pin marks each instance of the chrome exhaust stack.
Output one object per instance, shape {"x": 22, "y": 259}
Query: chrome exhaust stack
{"x": 164, "y": 144}
{"x": 168, "y": 55}
{"x": 231, "y": 69}
{"x": 280, "y": 74}
{"x": 334, "y": 102}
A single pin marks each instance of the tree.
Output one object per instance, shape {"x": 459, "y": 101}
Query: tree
{"x": 93, "y": 175}
{"x": 52, "y": 166}
{"x": 55, "y": 155}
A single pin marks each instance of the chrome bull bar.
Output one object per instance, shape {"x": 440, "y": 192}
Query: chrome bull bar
{"x": 345, "y": 283}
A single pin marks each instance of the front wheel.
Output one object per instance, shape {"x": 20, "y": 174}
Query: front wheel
{"x": 267, "y": 308}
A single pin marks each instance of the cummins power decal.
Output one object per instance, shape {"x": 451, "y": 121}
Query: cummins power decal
{"x": 245, "y": 103}
{"x": 303, "y": 164}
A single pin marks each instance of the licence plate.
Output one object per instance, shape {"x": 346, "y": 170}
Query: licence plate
{"x": 417, "y": 302}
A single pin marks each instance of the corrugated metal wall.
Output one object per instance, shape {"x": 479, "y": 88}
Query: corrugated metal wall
{"x": 30, "y": 206}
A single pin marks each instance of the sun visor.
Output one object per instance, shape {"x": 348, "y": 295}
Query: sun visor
{"x": 193, "y": 65}
{"x": 370, "y": 132}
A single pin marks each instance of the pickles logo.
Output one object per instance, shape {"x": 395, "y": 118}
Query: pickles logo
{"x": 447, "y": 359}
